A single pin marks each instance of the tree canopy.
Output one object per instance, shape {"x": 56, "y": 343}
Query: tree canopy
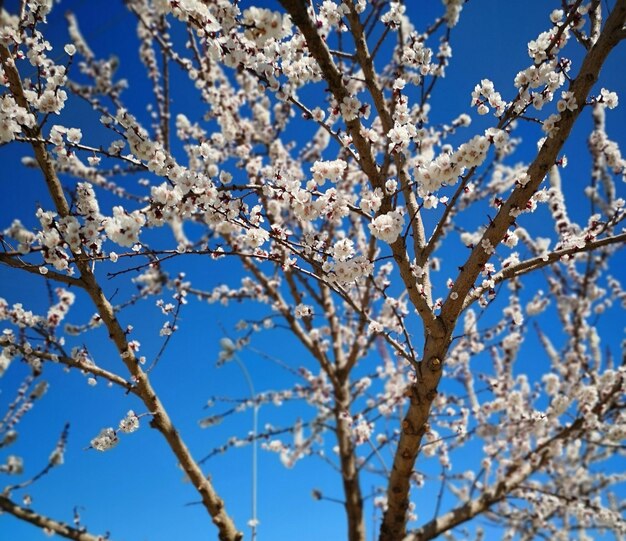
{"x": 417, "y": 287}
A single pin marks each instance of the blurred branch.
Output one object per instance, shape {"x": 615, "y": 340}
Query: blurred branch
{"x": 46, "y": 523}
{"x": 12, "y": 260}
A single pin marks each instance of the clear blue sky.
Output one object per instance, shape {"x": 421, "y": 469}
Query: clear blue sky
{"x": 136, "y": 491}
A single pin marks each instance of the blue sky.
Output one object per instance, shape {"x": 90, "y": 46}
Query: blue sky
{"x": 135, "y": 491}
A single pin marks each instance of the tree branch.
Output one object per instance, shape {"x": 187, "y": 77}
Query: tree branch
{"x": 546, "y": 158}
{"x": 535, "y": 263}
{"x": 47, "y": 523}
{"x": 12, "y": 261}
{"x": 72, "y": 363}
{"x": 425, "y": 390}
{"x": 161, "y": 420}
{"x": 512, "y": 479}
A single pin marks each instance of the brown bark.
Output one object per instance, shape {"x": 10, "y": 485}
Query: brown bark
{"x": 46, "y": 523}
{"x": 414, "y": 426}
{"x": 349, "y": 471}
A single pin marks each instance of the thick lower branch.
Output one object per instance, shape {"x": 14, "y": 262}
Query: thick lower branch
{"x": 530, "y": 265}
{"x": 46, "y": 523}
{"x": 414, "y": 426}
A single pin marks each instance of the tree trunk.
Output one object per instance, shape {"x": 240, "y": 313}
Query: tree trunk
{"x": 349, "y": 471}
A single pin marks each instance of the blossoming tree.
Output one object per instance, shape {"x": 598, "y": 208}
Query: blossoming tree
{"x": 411, "y": 259}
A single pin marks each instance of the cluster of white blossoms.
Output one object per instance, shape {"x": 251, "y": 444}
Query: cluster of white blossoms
{"x": 264, "y": 24}
{"x": 606, "y": 151}
{"x": 351, "y": 109}
{"x": 17, "y": 315}
{"x": 538, "y": 48}
{"x": 453, "y": 11}
{"x": 124, "y": 227}
{"x": 362, "y": 429}
{"x": 186, "y": 9}
{"x": 567, "y": 102}
{"x": 68, "y": 232}
{"x": 57, "y": 133}
{"x": 371, "y": 200}
{"x": 108, "y": 437}
{"x": 331, "y": 14}
{"x": 14, "y": 465}
{"x": 57, "y": 312}
{"x": 105, "y": 440}
{"x": 416, "y": 55}
{"x": 348, "y": 271}
{"x": 130, "y": 423}
{"x": 395, "y": 16}
{"x": 608, "y": 99}
{"x": 550, "y": 125}
{"x": 343, "y": 249}
{"x": 23, "y": 236}
{"x": 303, "y": 311}
{"x": 548, "y": 76}
{"x": 53, "y": 98}
{"x": 289, "y": 454}
{"x": 387, "y": 227}
{"x": 331, "y": 170}
{"x": 49, "y": 237}
{"x": 320, "y": 389}
{"x": 485, "y": 96}
{"x": 12, "y": 118}
{"x": 446, "y": 168}
{"x": 404, "y": 130}
{"x": 46, "y": 97}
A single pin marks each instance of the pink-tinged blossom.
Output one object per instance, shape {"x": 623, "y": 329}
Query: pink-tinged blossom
{"x": 105, "y": 440}
{"x": 387, "y": 227}
{"x": 343, "y": 249}
{"x": 123, "y": 227}
{"x": 130, "y": 423}
{"x": 362, "y": 430}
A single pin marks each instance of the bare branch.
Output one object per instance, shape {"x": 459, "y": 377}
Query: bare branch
{"x": 14, "y": 260}
{"x": 46, "y": 523}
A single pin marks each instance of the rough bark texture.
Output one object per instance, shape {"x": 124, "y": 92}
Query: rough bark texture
{"x": 414, "y": 426}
